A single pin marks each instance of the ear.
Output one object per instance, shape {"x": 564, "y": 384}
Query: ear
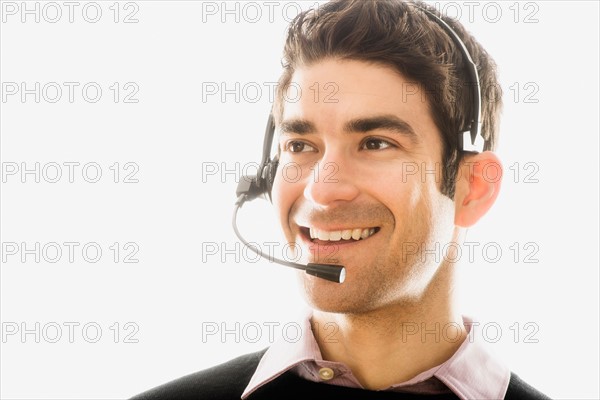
{"x": 477, "y": 187}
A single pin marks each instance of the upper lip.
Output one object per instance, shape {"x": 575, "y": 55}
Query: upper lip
{"x": 332, "y": 227}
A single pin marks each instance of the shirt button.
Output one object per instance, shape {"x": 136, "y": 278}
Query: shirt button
{"x": 326, "y": 373}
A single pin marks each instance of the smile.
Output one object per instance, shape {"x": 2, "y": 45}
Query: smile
{"x": 353, "y": 234}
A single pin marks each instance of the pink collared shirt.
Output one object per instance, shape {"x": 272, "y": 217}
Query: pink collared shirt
{"x": 471, "y": 373}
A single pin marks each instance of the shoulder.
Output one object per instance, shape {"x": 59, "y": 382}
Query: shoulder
{"x": 518, "y": 389}
{"x": 224, "y": 381}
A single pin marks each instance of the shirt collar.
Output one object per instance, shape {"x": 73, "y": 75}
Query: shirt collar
{"x": 284, "y": 354}
{"x": 471, "y": 373}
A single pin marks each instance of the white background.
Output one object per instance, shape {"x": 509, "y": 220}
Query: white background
{"x": 177, "y": 291}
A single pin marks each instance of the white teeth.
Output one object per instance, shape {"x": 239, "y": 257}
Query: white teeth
{"x": 322, "y": 235}
{"x": 345, "y": 234}
{"x": 335, "y": 236}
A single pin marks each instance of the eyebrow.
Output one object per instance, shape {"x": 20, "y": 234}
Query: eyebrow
{"x": 358, "y": 125}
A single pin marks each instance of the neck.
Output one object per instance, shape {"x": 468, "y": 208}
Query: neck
{"x": 393, "y": 344}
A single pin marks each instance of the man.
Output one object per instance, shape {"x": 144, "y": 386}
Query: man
{"x": 383, "y": 177}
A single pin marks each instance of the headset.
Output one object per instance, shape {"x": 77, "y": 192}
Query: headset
{"x": 250, "y": 187}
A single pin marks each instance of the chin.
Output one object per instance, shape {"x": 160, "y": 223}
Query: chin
{"x": 360, "y": 296}
{"x": 326, "y": 296}
{"x": 323, "y": 295}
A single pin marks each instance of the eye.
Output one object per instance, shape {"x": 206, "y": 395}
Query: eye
{"x": 295, "y": 146}
{"x": 376, "y": 144}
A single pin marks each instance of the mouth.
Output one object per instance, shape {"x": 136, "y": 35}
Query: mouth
{"x": 342, "y": 236}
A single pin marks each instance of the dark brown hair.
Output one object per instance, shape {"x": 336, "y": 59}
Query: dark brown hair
{"x": 399, "y": 34}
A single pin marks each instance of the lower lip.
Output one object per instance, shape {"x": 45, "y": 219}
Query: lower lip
{"x": 330, "y": 248}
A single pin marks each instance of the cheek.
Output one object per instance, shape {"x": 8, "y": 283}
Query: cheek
{"x": 409, "y": 200}
{"x": 400, "y": 193}
{"x": 277, "y": 196}
{"x": 283, "y": 194}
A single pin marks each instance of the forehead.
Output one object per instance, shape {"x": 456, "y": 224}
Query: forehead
{"x": 331, "y": 92}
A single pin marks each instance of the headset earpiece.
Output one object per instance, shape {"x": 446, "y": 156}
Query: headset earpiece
{"x": 268, "y": 175}
{"x": 261, "y": 184}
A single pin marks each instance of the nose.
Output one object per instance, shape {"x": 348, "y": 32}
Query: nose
{"x": 332, "y": 179}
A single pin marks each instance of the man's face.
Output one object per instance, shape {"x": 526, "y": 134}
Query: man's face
{"x": 360, "y": 156}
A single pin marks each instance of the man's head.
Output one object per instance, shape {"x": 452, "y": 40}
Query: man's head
{"x": 360, "y": 158}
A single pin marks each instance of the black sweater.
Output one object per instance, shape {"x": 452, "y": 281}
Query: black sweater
{"x": 228, "y": 381}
